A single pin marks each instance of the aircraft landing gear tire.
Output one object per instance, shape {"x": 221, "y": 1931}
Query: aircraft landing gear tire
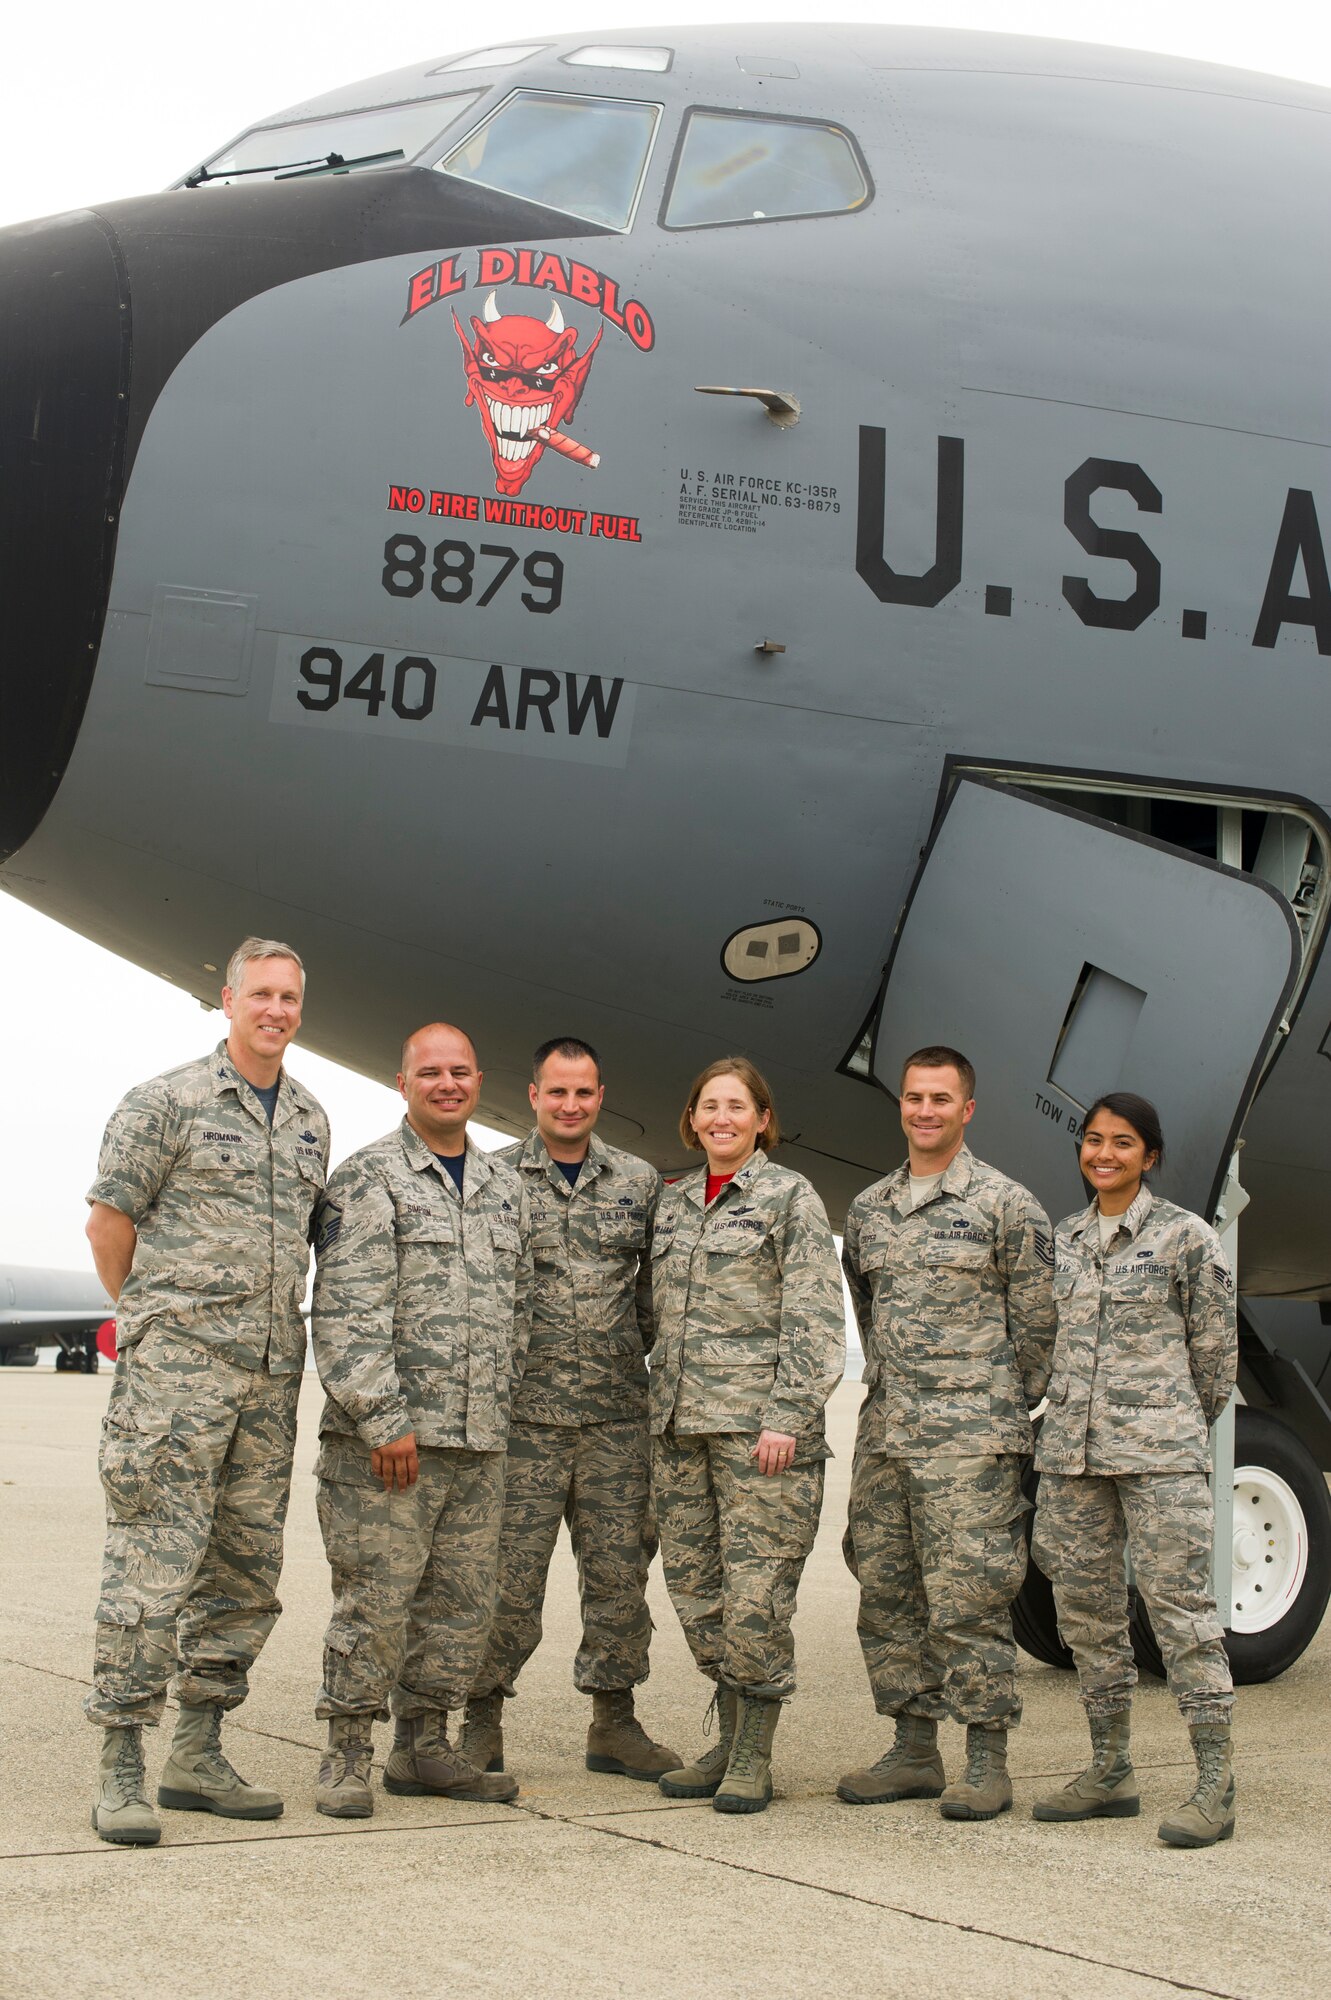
{"x": 1282, "y": 1554}
{"x": 88, "y": 1360}
{"x": 1034, "y": 1624}
{"x": 63, "y": 1361}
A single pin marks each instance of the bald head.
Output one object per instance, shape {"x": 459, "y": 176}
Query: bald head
{"x": 432, "y": 1028}
{"x": 441, "y": 1083}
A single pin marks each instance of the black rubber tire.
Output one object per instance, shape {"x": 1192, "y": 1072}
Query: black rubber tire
{"x": 63, "y": 1361}
{"x": 1259, "y": 1656}
{"x": 1034, "y": 1624}
{"x": 89, "y": 1360}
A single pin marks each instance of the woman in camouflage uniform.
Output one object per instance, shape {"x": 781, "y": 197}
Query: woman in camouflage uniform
{"x": 750, "y": 1343}
{"x": 1144, "y": 1364}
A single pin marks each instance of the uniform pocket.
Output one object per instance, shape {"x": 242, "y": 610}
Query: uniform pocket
{"x": 132, "y": 1458}
{"x": 343, "y": 1475}
{"x": 624, "y": 1230}
{"x": 341, "y": 1638}
{"x": 948, "y": 1374}
{"x": 956, "y": 1256}
{"x": 734, "y": 1242}
{"x": 231, "y": 1158}
{"x": 1143, "y": 1395}
{"x": 506, "y": 1248}
{"x": 424, "y": 1228}
{"x": 767, "y": 1517}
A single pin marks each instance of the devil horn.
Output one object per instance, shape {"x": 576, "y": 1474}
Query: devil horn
{"x": 490, "y": 311}
{"x": 556, "y": 319}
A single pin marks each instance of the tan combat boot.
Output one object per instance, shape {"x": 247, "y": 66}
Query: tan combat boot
{"x": 617, "y": 1741}
{"x": 423, "y": 1760}
{"x": 343, "y": 1787}
{"x": 911, "y": 1769}
{"x": 1107, "y": 1788}
{"x": 121, "y": 1812}
{"x": 984, "y": 1789}
{"x": 747, "y": 1785}
{"x": 700, "y": 1779}
{"x": 1208, "y": 1815}
{"x": 196, "y": 1777}
{"x": 482, "y": 1742}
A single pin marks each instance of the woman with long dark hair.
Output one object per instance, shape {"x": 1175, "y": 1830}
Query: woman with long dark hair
{"x": 1144, "y": 1364}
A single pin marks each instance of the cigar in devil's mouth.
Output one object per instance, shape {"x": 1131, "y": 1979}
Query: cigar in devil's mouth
{"x": 568, "y": 446}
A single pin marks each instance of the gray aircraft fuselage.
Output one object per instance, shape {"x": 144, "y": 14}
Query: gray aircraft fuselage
{"x": 298, "y": 640}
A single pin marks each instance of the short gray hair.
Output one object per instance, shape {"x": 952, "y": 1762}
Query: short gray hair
{"x": 255, "y": 947}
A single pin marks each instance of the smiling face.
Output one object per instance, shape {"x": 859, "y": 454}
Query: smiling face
{"x": 566, "y": 1098}
{"x": 442, "y": 1086}
{"x": 727, "y": 1123}
{"x": 935, "y": 1112}
{"x": 264, "y": 1012}
{"x": 522, "y": 375}
{"x": 1114, "y": 1156}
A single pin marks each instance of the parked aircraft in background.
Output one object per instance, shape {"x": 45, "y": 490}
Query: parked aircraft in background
{"x": 66, "y": 1310}
{"x": 805, "y": 539}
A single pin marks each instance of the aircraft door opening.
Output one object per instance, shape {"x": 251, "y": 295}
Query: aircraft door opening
{"x": 1067, "y": 955}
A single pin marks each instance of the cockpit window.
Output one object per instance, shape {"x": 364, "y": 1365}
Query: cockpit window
{"x": 401, "y": 130}
{"x": 731, "y": 167}
{"x": 585, "y": 156}
{"x": 616, "y": 55}
{"x": 497, "y": 58}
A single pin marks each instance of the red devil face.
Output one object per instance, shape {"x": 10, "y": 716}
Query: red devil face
{"x": 522, "y": 375}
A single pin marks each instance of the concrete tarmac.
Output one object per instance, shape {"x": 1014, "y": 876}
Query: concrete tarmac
{"x": 598, "y": 1886}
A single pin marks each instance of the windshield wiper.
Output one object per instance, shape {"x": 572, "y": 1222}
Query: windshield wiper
{"x": 335, "y": 164}
{"x": 290, "y": 170}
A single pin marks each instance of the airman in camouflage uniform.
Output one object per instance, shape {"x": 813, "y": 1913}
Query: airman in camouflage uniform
{"x": 954, "y": 1300}
{"x": 750, "y": 1343}
{"x": 200, "y": 1227}
{"x": 1145, "y": 1363}
{"x": 422, "y": 1303}
{"x": 578, "y": 1449}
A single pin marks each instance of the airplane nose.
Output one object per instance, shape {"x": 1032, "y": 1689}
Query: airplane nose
{"x": 64, "y": 383}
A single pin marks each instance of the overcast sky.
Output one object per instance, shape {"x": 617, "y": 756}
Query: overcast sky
{"x": 98, "y": 104}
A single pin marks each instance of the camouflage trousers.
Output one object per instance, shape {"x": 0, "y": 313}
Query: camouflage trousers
{"x": 1083, "y": 1525}
{"x": 195, "y": 1463}
{"x": 939, "y": 1548}
{"x": 734, "y": 1542}
{"x": 597, "y": 1478}
{"x": 413, "y": 1579}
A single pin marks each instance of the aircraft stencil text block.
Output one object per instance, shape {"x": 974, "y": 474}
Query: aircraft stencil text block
{"x": 386, "y": 694}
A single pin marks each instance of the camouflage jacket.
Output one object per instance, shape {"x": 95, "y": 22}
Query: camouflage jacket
{"x": 422, "y": 1297}
{"x": 1147, "y": 1342}
{"x": 222, "y": 1202}
{"x": 591, "y": 1303}
{"x": 750, "y": 1325}
{"x": 955, "y": 1305}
